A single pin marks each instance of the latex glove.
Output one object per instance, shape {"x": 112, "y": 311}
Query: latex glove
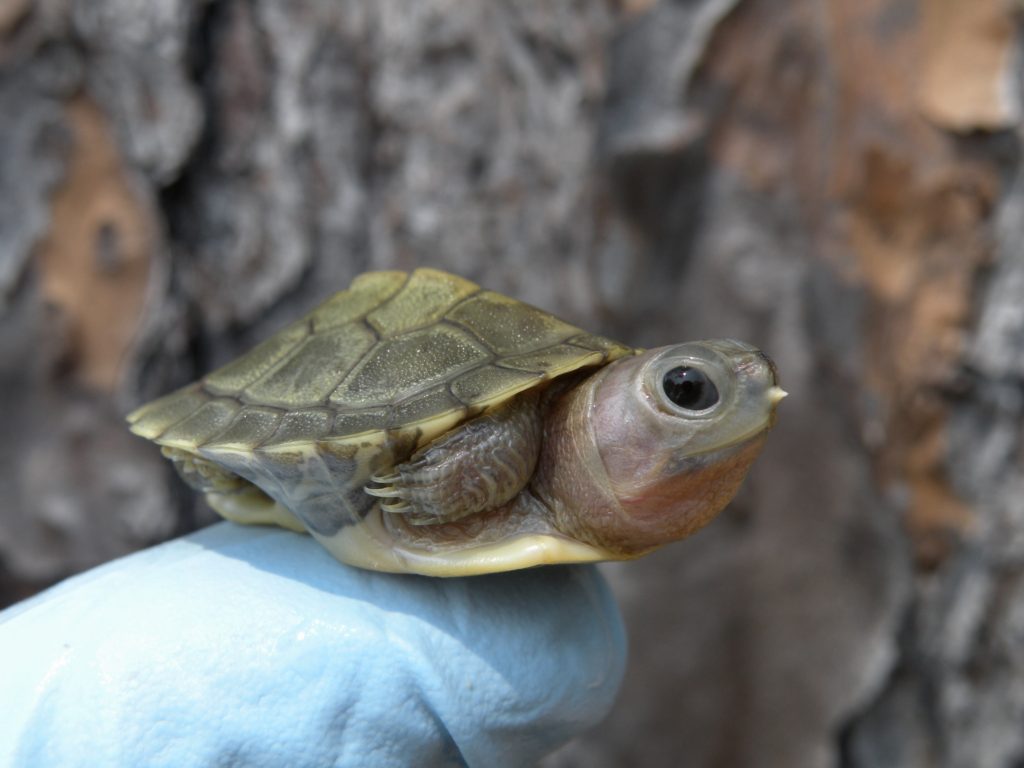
{"x": 251, "y": 646}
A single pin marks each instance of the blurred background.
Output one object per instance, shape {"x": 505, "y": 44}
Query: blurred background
{"x": 836, "y": 181}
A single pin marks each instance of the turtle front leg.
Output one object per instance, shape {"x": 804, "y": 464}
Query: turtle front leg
{"x": 477, "y": 466}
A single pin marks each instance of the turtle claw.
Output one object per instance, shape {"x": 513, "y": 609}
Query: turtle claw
{"x": 385, "y": 486}
{"x": 384, "y": 492}
{"x": 394, "y": 497}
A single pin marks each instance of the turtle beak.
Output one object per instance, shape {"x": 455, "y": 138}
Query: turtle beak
{"x": 776, "y": 395}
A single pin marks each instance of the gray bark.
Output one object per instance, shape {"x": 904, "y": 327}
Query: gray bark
{"x": 835, "y": 182}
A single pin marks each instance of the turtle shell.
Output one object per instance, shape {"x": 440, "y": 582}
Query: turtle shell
{"x": 361, "y": 382}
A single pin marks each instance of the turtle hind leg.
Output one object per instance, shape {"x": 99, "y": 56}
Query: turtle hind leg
{"x": 232, "y": 497}
{"x": 251, "y": 506}
{"x": 480, "y": 465}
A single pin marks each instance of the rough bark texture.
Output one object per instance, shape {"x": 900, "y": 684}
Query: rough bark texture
{"x": 836, "y": 181}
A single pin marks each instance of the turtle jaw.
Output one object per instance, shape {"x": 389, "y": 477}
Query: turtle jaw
{"x": 687, "y": 494}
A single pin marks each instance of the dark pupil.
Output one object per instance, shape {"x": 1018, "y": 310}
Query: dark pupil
{"x": 689, "y": 388}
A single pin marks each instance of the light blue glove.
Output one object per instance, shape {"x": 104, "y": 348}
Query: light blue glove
{"x": 251, "y": 646}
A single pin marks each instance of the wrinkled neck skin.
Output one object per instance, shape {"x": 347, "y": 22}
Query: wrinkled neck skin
{"x": 612, "y": 477}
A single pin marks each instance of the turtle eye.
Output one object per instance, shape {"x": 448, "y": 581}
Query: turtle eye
{"x": 689, "y": 388}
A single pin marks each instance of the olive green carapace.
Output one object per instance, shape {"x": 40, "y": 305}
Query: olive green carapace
{"x": 394, "y": 351}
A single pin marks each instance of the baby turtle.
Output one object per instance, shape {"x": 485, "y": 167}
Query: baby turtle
{"x": 417, "y": 423}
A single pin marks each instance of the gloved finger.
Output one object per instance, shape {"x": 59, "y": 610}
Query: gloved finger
{"x": 252, "y": 646}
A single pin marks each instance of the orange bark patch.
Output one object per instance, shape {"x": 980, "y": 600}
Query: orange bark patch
{"x": 912, "y": 210}
{"x": 855, "y": 104}
{"x": 966, "y": 73}
{"x": 94, "y": 264}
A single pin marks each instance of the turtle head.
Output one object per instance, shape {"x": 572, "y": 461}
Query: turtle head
{"x": 668, "y": 437}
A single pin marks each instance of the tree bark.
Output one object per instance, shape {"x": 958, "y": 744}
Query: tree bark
{"x": 835, "y": 181}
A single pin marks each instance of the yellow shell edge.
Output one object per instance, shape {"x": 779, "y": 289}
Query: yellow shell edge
{"x": 367, "y": 545}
